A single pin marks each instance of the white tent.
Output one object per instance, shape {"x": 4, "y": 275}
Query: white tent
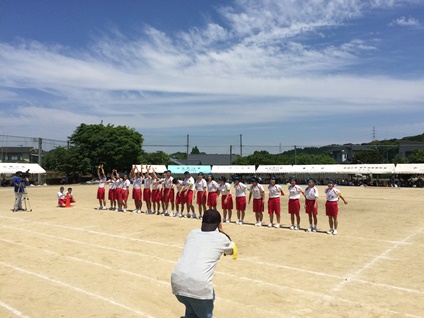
{"x": 14, "y": 167}
{"x": 233, "y": 169}
{"x": 274, "y": 169}
{"x": 411, "y": 168}
{"x": 368, "y": 169}
{"x": 158, "y": 168}
{"x": 316, "y": 169}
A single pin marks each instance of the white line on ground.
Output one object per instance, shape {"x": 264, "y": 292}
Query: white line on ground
{"x": 13, "y": 310}
{"x": 76, "y": 289}
{"x": 375, "y": 260}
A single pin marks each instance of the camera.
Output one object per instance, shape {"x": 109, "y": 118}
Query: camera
{"x": 21, "y": 174}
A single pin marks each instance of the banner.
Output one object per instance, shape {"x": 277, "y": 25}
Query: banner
{"x": 158, "y": 168}
{"x": 192, "y": 169}
{"x": 14, "y": 167}
{"x": 233, "y": 169}
{"x": 274, "y": 169}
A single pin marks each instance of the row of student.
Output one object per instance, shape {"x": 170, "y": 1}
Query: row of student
{"x": 167, "y": 192}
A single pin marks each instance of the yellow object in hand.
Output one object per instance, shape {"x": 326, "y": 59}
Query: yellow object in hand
{"x": 235, "y": 251}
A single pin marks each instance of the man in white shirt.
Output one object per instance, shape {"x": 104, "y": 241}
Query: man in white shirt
{"x": 191, "y": 278}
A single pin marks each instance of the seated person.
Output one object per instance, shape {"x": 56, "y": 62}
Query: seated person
{"x": 61, "y": 197}
{"x": 71, "y": 195}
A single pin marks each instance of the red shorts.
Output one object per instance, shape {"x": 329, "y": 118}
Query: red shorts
{"x": 73, "y": 200}
{"x": 240, "y": 203}
{"x": 294, "y": 206}
{"x": 178, "y": 198}
{"x": 61, "y": 202}
{"x": 310, "y": 207}
{"x": 112, "y": 195}
{"x": 212, "y": 197}
{"x": 125, "y": 194}
{"x": 147, "y": 195}
{"x": 168, "y": 195}
{"x": 258, "y": 205}
{"x": 136, "y": 194}
{"x": 155, "y": 195}
{"x": 118, "y": 194}
{"x": 188, "y": 197}
{"x": 201, "y": 197}
{"x": 229, "y": 204}
{"x": 274, "y": 206}
{"x": 331, "y": 208}
{"x": 101, "y": 193}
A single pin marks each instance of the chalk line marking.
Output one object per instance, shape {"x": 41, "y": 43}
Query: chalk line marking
{"x": 370, "y": 264}
{"x": 13, "y": 310}
{"x": 76, "y": 289}
{"x": 236, "y": 277}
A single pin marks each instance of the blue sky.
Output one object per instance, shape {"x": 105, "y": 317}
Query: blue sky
{"x": 277, "y": 71}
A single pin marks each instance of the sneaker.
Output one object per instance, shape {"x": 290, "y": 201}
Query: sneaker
{"x": 270, "y": 225}
{"x": 180, "y": 215}
{"x": 297, "y": 227}
{"x": 111, "y": 208}
{"x": 157, "y": 213}
{"x": 116, "y": 210}
{"x": 172, "y": 214}
{"x": 124, "y": 210}
{"x": 238, "y": 222}
{"x": 200, "y": 217}
{"x": 166, "y": 213}
{"x": 100, "y": 208}
{"x": 277, "y": 226}
{"x": 228, "y": 221}
{"x": 194, "y": 216}
{"x": 330, "y": 231}
{"x": 256, "y": 224}
{"x": 104, "y": 208}
{"x": 310, "y": 229}
{"x": 335, "y": 232}
{"x": 188, "y": 215}
{"x": 224, "y": 220}
{"x": 259, "y": 224}
{"x": 314, "y": 229}
{"x": 241, "y": 222}
{"x": 292, "y": 227}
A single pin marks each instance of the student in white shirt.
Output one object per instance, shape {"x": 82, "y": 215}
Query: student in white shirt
{"x": 200, "y": 187}
{"x": 187, "y": 191}
{"x": 156, "y": 192}
{"x": 101, "y": 189}
{"x": 294, "y": 203}
{"x": 212, "y": 192}
{"x": 274, "y": 204}
{"x": 311, "y": 205}
{"x": 112, "y": 190}
{"x": 125, "y": 192}
{"x": 331, "y": 206}
{"x": 147, "y": 193}
{"x": 61, "y": 197}
{"x": 136, "y": 193}
{"x": 258, "y": 193}
{"x": 191, "y": 279}
{"x": 240, "y": 200}
{"x": 179, "y": 201}
{"x": 224, "y": 190}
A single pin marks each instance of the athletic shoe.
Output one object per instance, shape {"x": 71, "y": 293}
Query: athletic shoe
{"x": 228, "y": 221}
{"x": 314, "y": 229}
{"x": 310, "y": 229}
{"x": 194, "y": 216}
{"x": 157, "y": 213}
{"x": 124, "y": 210}
{"x": 104, "y": 208}
{"x": 224, "y": 220}
{"x": 188, "y": 215}
{"x": 111, "y": 208}
{"x": 256, "y": 224}
{"x": 270, "y": 225}
{"x": 180, "y": 215}
{"x": 116, "y": 210}
{"x": 277, "y": 226}
{"x": 241, "y": 222}
{"x": 297, "y": 227}
{"x": 100, "y": 208}
{"x": 172, "y": 214}
{"x": 166, "y": 214}
{"x": 238, "y": 222}
{"x": 200, "y": 217}
{"x": 330, "y": 231}
{"x": 292, "y": 227}
{"x": 335, "y": 232}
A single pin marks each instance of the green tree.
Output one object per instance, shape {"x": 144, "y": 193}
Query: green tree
{"x": 417, "y": 156}
{"x": 114, "y": 147}
{"x": 367, "y": 157}
{"x": 195, "y": 151}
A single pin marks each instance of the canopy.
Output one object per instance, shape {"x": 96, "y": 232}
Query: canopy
{"x": 233, "y": 169}
{"x": 412, "y": 168}
{"x": 192, "y": 169}
{"x": 14, "y": 167}
{"x": 274, "y": 169}
{"x": 158, "y": 168}
{"x": 368, "y": 169}
{"x": 316, "y": 169}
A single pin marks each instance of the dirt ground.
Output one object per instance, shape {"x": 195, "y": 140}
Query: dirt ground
{"x": 81, "y": 262}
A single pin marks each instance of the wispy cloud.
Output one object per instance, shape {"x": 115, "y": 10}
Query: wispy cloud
{"x": 406, "y": 22}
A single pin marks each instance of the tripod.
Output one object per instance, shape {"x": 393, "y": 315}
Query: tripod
{"x": 25, "y": 198}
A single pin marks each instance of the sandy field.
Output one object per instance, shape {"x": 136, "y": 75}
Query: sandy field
{"x": 81, "y": 262}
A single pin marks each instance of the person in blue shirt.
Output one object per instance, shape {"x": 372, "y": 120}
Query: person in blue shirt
{"x": 19, "y": 183}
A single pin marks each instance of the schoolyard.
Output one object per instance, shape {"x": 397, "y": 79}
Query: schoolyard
{"x": 81, "y": 262}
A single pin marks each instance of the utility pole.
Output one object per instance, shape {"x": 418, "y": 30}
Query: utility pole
{"x": 231, "y": 154}
{"x": 40, "y": 153}
{"x": 294, "y": 154}
{"x": 241, "y": 145}
{"x": 188, "y": 145}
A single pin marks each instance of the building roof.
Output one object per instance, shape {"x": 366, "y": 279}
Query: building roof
{"x": 18, "y": 149}
{"x": 211, "y": 159}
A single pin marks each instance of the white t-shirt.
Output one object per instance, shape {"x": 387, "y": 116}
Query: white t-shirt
{"x": 274, "y": 191}
{"x": 311, "y": 193}
{"x": 332, "y": 194}
{"x": 156, "y": 184}
{"x": 257, "y": 191}
{"x": 101, "y": 183}
{"x": 167, "y": 182}
{"x": 192, "y": 276}
{"x": 112, "y": 184}
{"x": 137, "y": 183}
{"x": 61, "y": 196}
{"x": 126, "y": 184}
{"x": 212, "y": 186}
{"x": 225, "y": 188}
{"x": 189, "y": 183}
{"x": 200, "y": 184}
{"x": 240, "y": 189}
{"x": 147, "y": 183}
{"x": 294, "y": 192}
{"x": 179, "y": 185}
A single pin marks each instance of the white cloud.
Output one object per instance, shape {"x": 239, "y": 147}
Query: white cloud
{"x": 406, "y": 22}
